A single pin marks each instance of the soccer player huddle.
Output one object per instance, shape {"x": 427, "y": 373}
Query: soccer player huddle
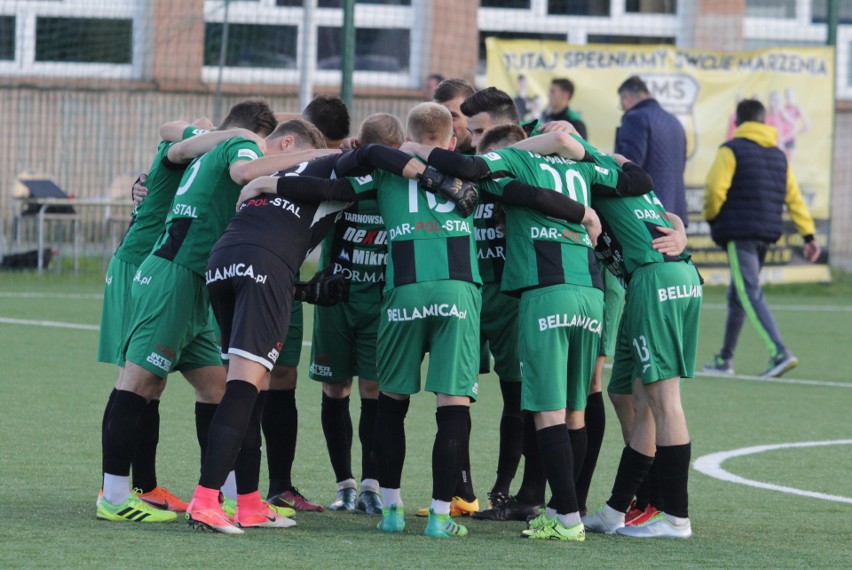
{"x": 463, "y": 235}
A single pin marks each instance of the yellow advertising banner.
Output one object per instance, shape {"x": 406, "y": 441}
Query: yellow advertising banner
{"x": 702, "y": 88}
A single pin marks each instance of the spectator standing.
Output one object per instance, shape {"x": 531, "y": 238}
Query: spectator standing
{"x": 744, "y": 197}
{"x": 654, "y": 139}
{"x": 561, "y": 92}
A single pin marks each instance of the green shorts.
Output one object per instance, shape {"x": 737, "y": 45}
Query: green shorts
{"x": 171, "y": 324}
{"x": 344, "y": 343}
{"x": 438, "y": 317}
{"x": 291, "y": 353}
{"x": 499, "y": 333}
{"x": 560, "y": 335}
{"x": 658, "y": 336}
{"x": 115, "y": 316}
{"x": 613, "y": 305}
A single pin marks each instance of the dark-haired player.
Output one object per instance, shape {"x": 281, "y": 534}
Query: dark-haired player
{"x": 128, "y": 417}
{"x": 171, "y": 325}
{"x": 550, "y": 265}
{"x": 655, "y": 348}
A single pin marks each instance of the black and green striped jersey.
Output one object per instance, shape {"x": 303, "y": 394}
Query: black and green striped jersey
{"x": 629, "y": 226}
{"x": 204, "y": 204}
{"x": 489, "y": 224}
{"x": 542, "y": 250}
{"x": 428, "y": 238}
{"x": 149, "y": 218}
{"x": 358, "y": 248}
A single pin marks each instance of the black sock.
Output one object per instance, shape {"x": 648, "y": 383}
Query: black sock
{"x": 511, "y": 436}
{"x": 203, "y": 416}
{"x": 656, "y": 494}
{"x": 632, "y": 469}
{"x": 247, "y": 464}
{"x": 643, "y": 492}
{"x": 534, "y": 481}
{"x": 595, "y": 426}
{"x": 555, "y": 445}
{"x": 337, "y": 427}
{"x": 366, "y": 433}
{"x": 105, "y": 422}
{"x": 226, "y": 432}
{"x": 280, "y": 428}
{"x": 122, "y": 432}
{"x": 464, "y": 485}
{"x": 390, "y": 440}
{"x": 673, "y": 470}
{"x": 579, "y": 442}
{"x": 450, "y": 450}
{"x": 145, "y": 461}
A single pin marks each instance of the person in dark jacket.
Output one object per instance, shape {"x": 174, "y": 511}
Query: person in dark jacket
{"x": 744, "y": 197}
{"x": 654, "y": 139}
{"x": 558, "y": 109}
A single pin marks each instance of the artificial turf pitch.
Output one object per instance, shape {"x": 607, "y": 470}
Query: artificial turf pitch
{"x": 54, "y": 392}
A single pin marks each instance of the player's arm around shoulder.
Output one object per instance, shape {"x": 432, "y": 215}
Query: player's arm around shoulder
{"x": 186, "y": 150}
{"x": 555, "y": 142}
{"x": 247, "y": 170}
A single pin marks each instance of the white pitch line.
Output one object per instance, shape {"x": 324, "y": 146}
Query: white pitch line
{"x": 96, "y": 296}
{"x": 776, "y": 380}
{"x": 816, "y": 308}
{"x": 54, "y": 324}
{"x": 26, "y": 295}
{"x": 307, "y": 343}
{"x": 61, "y": 325}
{"x": 711, "y": 465}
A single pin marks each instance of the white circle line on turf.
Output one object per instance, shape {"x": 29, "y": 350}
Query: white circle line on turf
{"x": 711, "y": 465}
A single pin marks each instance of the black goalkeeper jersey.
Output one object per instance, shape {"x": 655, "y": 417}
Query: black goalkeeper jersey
{"x": 290, "y": 229}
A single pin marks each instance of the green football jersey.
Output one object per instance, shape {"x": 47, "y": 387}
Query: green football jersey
{"x": 428, "y": 238}
{"x": 490, "y": 241}
{"x": 149, "y": 217}
{"x": 541, "y": 250}
{"x": 629, "y": 226}
{"x": 358, "y": 247}
{"x": 204, "y": 204}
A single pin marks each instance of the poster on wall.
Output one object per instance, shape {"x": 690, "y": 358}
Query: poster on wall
{"x": 701, "y": 88}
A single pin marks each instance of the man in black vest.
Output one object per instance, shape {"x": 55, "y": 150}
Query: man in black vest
{"x": 744, "y": 197}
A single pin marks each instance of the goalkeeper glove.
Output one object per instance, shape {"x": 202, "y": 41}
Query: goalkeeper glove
{"x": 462, "y": 193}
{"x": 324, "y": 289}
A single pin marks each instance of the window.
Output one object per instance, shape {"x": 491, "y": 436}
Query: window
{"x": 251, "y": 45}
{"x": 376, "y": 49}
{"x": 518, "y": 4}
{"x": 640, "y": 40}
{"x": 819, "y": 11}
{"x": 578, "y": 7}
{"x": 339, "y": 3}
{"x": 771, "y": 8}
{"x": 7, "y": 38}
{"x": 84, "y": 40}
{"x": 651, "y": 6}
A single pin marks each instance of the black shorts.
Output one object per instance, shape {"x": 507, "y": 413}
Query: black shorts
{"x": 251, "y": 292}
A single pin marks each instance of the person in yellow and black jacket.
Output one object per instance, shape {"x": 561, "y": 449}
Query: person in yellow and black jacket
{"x": 746, "y": 190}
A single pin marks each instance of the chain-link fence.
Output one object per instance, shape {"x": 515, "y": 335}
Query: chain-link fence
{"x": 85, "y": 84}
